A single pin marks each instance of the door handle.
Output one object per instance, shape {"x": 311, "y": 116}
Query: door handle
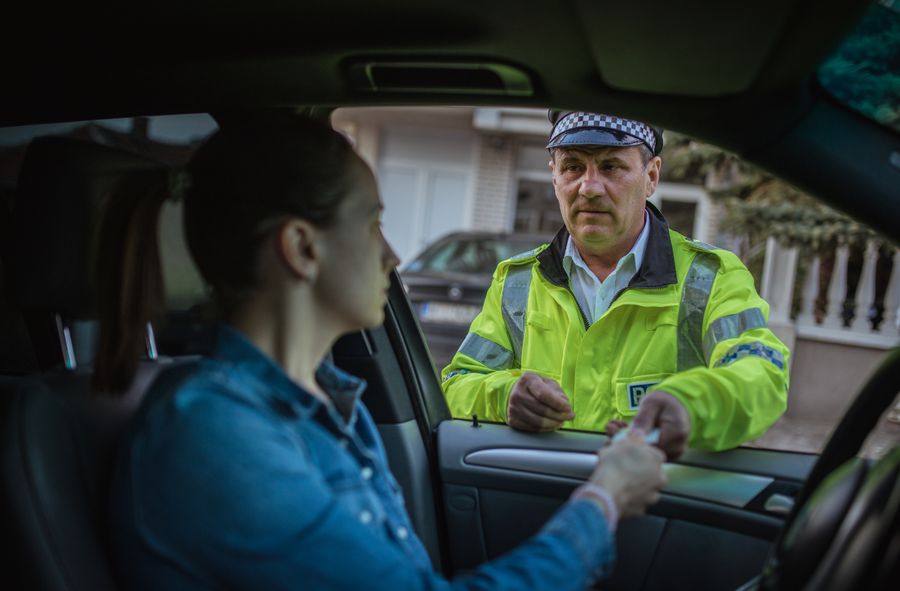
{"x": 780, "y": 504}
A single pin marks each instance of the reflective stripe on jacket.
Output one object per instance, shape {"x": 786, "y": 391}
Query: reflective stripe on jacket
{"x": 690, "y": 323}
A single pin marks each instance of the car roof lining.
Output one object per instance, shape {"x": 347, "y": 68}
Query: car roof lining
{"x": 673, "y": 38}
{"x": 280, "y": 54}
{"x": 284, "y": 53}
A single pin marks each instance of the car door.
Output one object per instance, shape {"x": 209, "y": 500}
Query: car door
{"x": 476, "y": 490}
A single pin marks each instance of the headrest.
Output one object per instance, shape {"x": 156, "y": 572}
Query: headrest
{"x": 63, "y": 185}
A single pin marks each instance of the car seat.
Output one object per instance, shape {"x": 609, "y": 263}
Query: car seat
{"x": 58, "y": 439}
{"x": 16, "y": 351}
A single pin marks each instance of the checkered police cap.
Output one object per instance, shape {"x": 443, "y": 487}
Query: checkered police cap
{"x": 595, "y": 129}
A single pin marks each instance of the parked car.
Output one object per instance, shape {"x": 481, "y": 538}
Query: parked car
{"x": 740, "y": 75}
{"x": 447, "y": 283}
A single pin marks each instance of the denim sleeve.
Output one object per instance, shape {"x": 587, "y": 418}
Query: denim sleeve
{"x": 572, "y": 551}
{"x": 251, "y": 511}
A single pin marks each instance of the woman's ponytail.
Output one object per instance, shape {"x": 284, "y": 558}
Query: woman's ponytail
{"x": 130, "y": 290}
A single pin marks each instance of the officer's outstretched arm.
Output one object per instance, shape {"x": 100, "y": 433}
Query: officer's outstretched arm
{"x": 481, "y": 375}
{"x": 739, "y": 387}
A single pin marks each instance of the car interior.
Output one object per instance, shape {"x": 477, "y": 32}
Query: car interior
{"x": 741, "y": 76}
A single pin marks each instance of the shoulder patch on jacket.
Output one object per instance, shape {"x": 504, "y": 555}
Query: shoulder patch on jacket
{"x": 525, "y": 256}
{"x": 728, "y": 259}
{"x": 703, "y": 245}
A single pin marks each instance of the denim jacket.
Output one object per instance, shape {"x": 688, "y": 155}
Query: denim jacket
{"x": 234, "y": 477}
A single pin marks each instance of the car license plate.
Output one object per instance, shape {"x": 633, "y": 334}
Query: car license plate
{"x": 448, "y": 313}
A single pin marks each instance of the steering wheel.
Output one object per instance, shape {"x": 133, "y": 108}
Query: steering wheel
{"x": 844, "y": 530}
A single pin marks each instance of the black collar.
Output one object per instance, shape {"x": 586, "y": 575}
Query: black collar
{"x": 657, "y": 268}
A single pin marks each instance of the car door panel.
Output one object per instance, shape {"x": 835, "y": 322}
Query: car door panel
{"x": 491, "y": 487}
{"x": 709, "y": 531}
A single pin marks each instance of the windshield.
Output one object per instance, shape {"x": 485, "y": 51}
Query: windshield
{"x": 472, "y": 255}
{"x": 863, "y": 73}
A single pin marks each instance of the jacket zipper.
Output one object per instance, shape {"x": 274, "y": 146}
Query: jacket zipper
{"x": 584, "y": 318}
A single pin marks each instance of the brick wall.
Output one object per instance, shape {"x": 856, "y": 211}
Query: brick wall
{"x": 494, "y": 190}
{"x": 716, "y": 211}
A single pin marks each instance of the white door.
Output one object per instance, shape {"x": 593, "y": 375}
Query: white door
{"x": 425, "y": 178}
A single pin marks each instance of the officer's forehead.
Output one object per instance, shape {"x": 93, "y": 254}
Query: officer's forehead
{"x": 593, "y": 151}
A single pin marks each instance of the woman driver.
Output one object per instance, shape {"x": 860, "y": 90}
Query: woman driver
{"x": 258, "y": 467}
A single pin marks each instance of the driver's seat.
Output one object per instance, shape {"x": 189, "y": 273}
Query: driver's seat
{"x": 58, "y": 438}
{"x": 58, "y": 444}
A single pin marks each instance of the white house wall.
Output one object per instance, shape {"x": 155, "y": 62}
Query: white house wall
{"x": 426, "y": 173}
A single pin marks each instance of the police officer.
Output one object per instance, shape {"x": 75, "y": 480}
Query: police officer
{"x": 620, "y": 318}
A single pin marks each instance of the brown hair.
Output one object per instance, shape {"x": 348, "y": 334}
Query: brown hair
{"x": 129, "y": 288}
{"x": 240, "y": 184}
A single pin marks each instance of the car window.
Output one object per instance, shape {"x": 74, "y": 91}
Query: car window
{"x": 830, "y": 283}
{"x": 833, "y": 286}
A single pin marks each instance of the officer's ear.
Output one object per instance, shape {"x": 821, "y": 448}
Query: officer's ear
{"x": 653, "y": 168}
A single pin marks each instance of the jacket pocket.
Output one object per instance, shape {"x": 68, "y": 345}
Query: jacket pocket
{"x": 663, "y": 316}
{"x": 538, "y": 320}
{"x": 629, "y": 391}
{"x": 361, "y": 500}
{"x": 543, "y": 348}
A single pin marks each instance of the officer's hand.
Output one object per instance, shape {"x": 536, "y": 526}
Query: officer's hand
{"x": 631, "y": 471}
{"x": 614, "y": 426}
{"x": 537, "y": 404}
{"x": 660, "y": 410}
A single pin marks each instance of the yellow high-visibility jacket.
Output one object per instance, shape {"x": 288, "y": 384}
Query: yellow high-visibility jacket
{"x": 690, "y": 323}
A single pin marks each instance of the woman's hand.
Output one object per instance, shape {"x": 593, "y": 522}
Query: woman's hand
{"x": 631, "y": 472}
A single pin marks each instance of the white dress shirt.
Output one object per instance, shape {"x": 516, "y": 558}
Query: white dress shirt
{"x": 595, "y": 296}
